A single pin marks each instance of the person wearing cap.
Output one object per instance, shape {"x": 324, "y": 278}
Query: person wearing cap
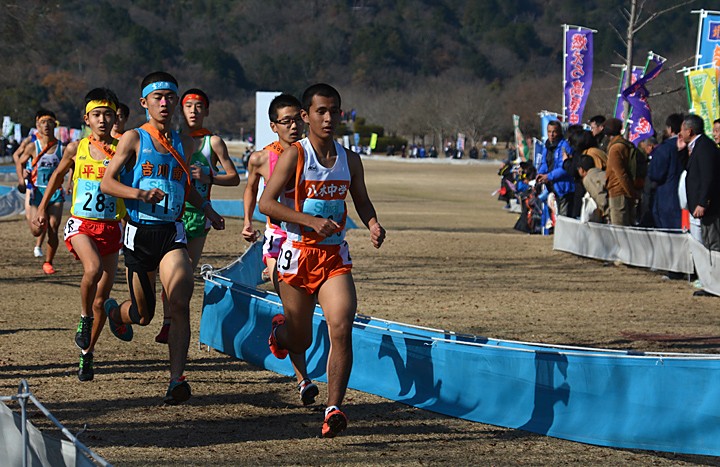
{"x": 621, "y": 191}
{"x": 93, "y": 233}
{"x": 155, "y": 183}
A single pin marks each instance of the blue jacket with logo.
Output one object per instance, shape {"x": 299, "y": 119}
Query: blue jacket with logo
{"x": 562, "y": 182}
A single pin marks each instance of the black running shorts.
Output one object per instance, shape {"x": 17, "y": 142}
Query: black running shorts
{"x": 145, "y": 245}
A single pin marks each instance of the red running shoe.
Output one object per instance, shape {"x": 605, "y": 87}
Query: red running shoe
{"x": 277, "y": 321}
{"x": 335, "y": 422}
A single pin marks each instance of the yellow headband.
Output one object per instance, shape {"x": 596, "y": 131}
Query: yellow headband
{"x": 92, "y": 105}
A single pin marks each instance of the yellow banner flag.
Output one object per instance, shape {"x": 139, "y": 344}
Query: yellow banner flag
{"x": 373, "y": 141}
{"x": 703, "y": 91}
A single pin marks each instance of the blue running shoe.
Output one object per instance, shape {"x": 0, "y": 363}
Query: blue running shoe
{"x": 178, "y": 391}
{"x": 123, "y": 332}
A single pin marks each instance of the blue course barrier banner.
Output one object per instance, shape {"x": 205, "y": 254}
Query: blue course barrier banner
{"x": 656, "y": 401}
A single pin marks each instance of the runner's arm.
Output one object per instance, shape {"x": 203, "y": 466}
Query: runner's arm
{"x": 230, "y": 177}
{"x": 196, "y": 199}
{"x": 20, "y": 162}
{"x": 361, "y": 200}
{"x": 55, "y": 182}
{"x": 283, "y": 173}
{"x": 126, "y": 156}
{"x": 21, "y": 149}
{"x": 255, "y": 163}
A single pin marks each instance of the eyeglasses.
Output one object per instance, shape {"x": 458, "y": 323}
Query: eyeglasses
{"x": 289, "y": 121}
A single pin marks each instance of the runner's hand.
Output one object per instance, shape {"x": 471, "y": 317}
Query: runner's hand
{"x": 40, "y": 220}
{"x": 21, "y": 187}
{"x": 217, "y": 221}
{"x": 197, "y": 174}
{"x": 324, "y": 227}
{"x": 377, "y": 235}
{"x": 248, "y": 233}
{"x": 152, "y": 196}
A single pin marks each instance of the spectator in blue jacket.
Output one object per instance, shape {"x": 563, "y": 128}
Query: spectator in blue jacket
{"x": 551, "y": 171}
{"x": 664, "y": 173}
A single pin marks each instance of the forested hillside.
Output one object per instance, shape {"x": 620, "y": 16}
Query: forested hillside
{"x": 418, "y": 67}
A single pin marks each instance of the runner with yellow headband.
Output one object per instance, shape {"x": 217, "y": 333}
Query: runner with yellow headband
{"x": 34, "y": 168}
{"x": 93, "y": 233}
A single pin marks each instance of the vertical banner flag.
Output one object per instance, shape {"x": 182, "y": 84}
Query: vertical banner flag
{"x": 537, "y": 151}
{"x": 619, "y": 107}
{"x": 637, "y": 73}
{"x": 7, "y": 127}
{"x": 373, "y": 140}
{"x": 578, "y": 71}
{"x": 636, "y": 94}
{"x": 708, "y": 44}
{"x": 460, "y": 145}
{"x": 703, "y": 93}
{"x": 520, "y": 145}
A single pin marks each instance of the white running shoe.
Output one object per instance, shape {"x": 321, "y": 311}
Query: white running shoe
{"x": 37, "y": 252}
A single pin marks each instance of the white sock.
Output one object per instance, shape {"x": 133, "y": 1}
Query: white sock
{"x": 330, "y": 409}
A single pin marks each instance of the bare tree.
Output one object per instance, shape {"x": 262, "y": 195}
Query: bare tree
{"x": 635, "y": 22}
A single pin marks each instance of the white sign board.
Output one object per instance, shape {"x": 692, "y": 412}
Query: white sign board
{"x": 263, "y": 134}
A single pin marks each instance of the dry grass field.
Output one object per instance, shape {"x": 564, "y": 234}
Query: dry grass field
{"x": 451, "y": 260}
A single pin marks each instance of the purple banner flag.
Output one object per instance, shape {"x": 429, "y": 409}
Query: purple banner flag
{"x": 636, "y": 94}
{"x": 578, "y": 72}
{"x": 619, "y": 106}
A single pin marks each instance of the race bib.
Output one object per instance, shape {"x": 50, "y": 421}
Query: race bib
{"x": 91, "y": 202}
{"x": 43, "y": 176}
{"x": 333, "y": 209}
{"x": 169, "y": 208}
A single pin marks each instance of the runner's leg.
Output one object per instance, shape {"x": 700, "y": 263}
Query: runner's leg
{"x": 55, "y": 216}
{"x": 338, "y": 300}
{"x": 104, "y": 285}
{"x": 177, "y": 280}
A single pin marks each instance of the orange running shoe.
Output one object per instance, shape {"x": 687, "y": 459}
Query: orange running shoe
{"x": 335, "y": 422}
{"x": 48, "y": 268}
{"x": 277, "y": 321}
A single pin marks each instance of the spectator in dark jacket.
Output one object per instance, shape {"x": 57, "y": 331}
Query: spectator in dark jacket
{"x": 664, "y": 175}
{"x": 702, "y": 184}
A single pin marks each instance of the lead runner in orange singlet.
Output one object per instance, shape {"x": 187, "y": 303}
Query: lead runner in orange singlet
{"x": 313, "y": 177}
